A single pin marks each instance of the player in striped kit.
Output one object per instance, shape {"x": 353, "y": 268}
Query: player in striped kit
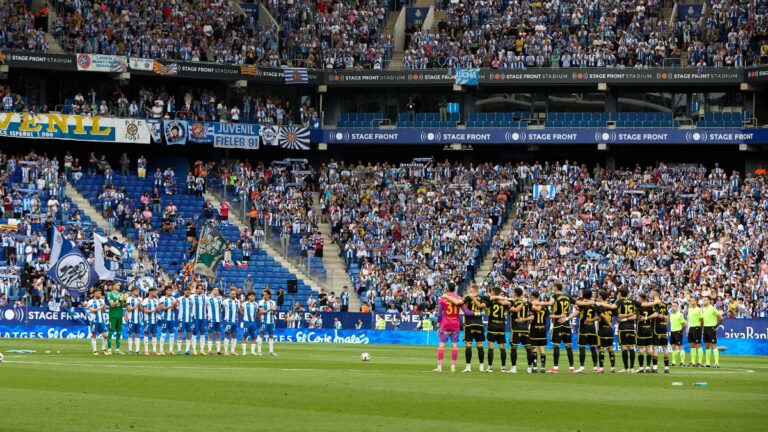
{"x": 250, "y": 311}
{"x": 268, "y": 312}
{"x": 186, "y": 319}
{"x": 97, "y": 308}
{"x": 200, "y": 310}
{"x": 151, "y": 308}
{"x": 231, "y": 308}
{"x": 214, "y": 321}
{"x": 133, "y": 309}
{"x": 168, "y": 323}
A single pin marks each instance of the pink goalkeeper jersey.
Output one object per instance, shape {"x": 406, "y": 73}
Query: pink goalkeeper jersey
{"x": 450, "y": 314}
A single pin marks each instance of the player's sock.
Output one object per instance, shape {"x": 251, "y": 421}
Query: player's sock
{"x": 130, "y": 344}
{"x": 582, "y": 355}
{"x": 543, "y": 362}
{"x": 234, "y": 344}
{"x": 513, "y": 356}
{"x": 648, "y": 359}
{"x": 226, "y": 344}
{"x": 138, "y": 345}
{"x": 454, "y": 353}
{"x": 218, "y": 346}
{"x": 666, "y": 362}
{"x": 640, "y": 360}
{"x": 632, "y": 358}
{"x": 556, "y": 353}
{"x": 272, "y": 347}
{"x": 490, "y": 357}
{"x": 503, "y": 357}
{"x": 243, "y": 348}
{"x": 178, "y": 345}
{"x": 716, "y": 353}
{"x": 655, "y": 362}
{"x": 468, "y": 355}
{"x": 569, "y": 352}
{"x": 440, "y": 356}
{"x": 93, "y": 344}
{"x": 146, "y": 344}
{"x": 202, "y": 342}
{"x": 682, "y": 356}
{"x": 612, "y": 358}
{"x": 694, "y": 355}
{"x": 210, "y": 345}
{"x": 109, "y": 341}
{"x": 707, "y": 355}
{"x": 625, "y": 357}
{"x": 481, "y": 354}
{"x": 154, "y": 344}
{"x": 701, "y": 355}
{"x": 593, "y": 351}
{"x": 253, "y": 348}
{"x": 529, "y": 354}
{"x": 258, "y": 343}
{"x": 194, "y": 344}
{"x": 600, "y": 358}
{"x": 674, "y": 357}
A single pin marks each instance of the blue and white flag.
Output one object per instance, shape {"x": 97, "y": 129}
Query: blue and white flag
{"x": 467, "y": 77}
{"x": 175, "y": 132}
{"x": 200, "y": 132}
{"x": 293, "y": 138}
{"x": 545, "y": 192}
{"x": 236, "y": 135}
{"x": 155, "y": 130}
{"x": 73, "y": 272}
{"x": 296, "y": 76}
{"x": 59, "y": 246}
{"x": 144, "y": 283}
{"x": 269, "y": 135}
{"x": 108, "y": 256}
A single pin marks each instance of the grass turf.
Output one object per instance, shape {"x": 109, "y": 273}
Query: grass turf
{"x": 327, "y": 387}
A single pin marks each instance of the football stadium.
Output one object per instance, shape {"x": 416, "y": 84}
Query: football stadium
{"x": 375, "y": 215}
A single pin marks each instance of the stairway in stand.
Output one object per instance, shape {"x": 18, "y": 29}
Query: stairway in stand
{"x": 336, "y": 271}
{"x": 487, "y": 264}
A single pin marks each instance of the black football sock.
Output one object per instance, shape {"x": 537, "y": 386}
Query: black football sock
{"x": 503, "y": 357}
{"x": 656, "y": 361}
{"x": 529, "y": 356}
{"x": 490, "y": 357}
{"x": 582, "y": 355}
{"x": 648, "y": 360}
{"x": 632, "y": 358}
{"x": 612, "y": 358}
{"x": 666, "y": 362}
{"x": 468, "y": 354}
{"x": 569, "y": 352}
{"x": 625, "y": 357}
{"x": 556, "y": 353}
{"x": 593, "y": 351}
{"x": 513, "y": 356}
{"x": 600, "y": 358}
{"x": 640, "y": 359}
{"x": 481, "y": 354}
{"x": 543, "y": 361}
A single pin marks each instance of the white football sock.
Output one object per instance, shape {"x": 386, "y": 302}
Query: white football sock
{"x": 194, "y": 344}
{"x": 130, "y": 344}
{"x": 154, "y": 344}
{"x": 253, "y": 347}
{"x": 226, "y": 345}
{"x": 218, "y": 346}
{"x": 271, "y": 345}
{"x": 93, "y": 343}
{"x": 258, "y": 342}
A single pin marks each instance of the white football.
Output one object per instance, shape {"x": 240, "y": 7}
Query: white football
{"x": 365, "y": 356}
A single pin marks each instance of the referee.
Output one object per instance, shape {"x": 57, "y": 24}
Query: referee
{"x": 694, "y": 332}
{"x": 116, "y": 302}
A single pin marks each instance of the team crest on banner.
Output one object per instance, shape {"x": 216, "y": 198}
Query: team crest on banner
{"x": 73, "y": 272}
{"x": 200, "y": 133}
{"x": 545, "y": 192}
{"x": 294, "y": 138}
{"x": 145, "y": 283}
{"x": 210, "y": 250}
{"x": 108, "y": 256}
{"x": 269, "y": 135}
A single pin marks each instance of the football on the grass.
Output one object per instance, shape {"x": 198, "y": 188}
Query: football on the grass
{"x": 365, "y": 356}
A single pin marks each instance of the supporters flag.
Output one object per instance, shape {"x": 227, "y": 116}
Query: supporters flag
{"x": 210, "y": 250}
{"x": 543, "y": 191}
{"x": 175, "y": 132}
{"x": 167, "y": 70}
{"x": 155, "y": 130}
{"x": 73, "y": 272}
{"x": 250, "y": 70}
{"x": 59, "y": 246}
{"x": 269, "y": 135}
{"x": 296, "y": 76}
{"x": 108, "y": 255}
{"x": 294, "y": 138}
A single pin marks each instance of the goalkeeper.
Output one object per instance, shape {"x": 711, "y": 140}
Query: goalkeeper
{"x": 116, "y": 302}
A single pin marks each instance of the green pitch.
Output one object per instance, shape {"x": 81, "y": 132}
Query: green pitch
{"x": 328, "y": 388}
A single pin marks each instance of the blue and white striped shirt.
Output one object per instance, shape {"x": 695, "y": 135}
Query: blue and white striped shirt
{"x": 214, "y": 309}
{"x": 134, "y": 316}
{"x": 200, "y": 304}
{"x": 167, "y": 303}
{"x": 185, "y": 309}
{"x": 269, "y": 314}
{"x": 231, "y": 308}
{"x": 151, "y": 304}
{"x": 98, "y": 316}
{"x": 250, "y": 312}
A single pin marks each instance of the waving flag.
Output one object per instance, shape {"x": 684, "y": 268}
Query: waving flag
{"x": 269, "y": 135}
{"x": 155, "y": 130}
{"x": 59, "y": 247}
{"x": 249, "y": 70}
{"x": 296, "y": 76}
{"x": 167, "y": 70}
{"x": 73, "y": 272}
{"x": 108, "y": 255}
{"x": 546, "y": 192}
{"x": 210, "y": 250}
{"x": 294, "y": 138}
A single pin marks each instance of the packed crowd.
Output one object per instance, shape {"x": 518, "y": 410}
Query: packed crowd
{"x": 19, "y": 29}
{"x": 190, "y": 30}
{"x": 685, "y": 230}
{"x": 413, "y": 227}
{"x": 588, "y": 33}
{"x": 334, "y": 35}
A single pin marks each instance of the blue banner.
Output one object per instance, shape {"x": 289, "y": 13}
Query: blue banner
{"x": 155, "y": 130}
{"x": 542, "y": 136}
{"x": 416, "y": 15}
{"x": 689, "y": 11}
{"x": 200, "y": 133}
{"x": 467, "y": 77}
{"x": 175, "y": 132}
{"x": 236, "y": 135}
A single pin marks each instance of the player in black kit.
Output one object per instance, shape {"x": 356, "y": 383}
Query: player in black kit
{"x": 473, "y": 327}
